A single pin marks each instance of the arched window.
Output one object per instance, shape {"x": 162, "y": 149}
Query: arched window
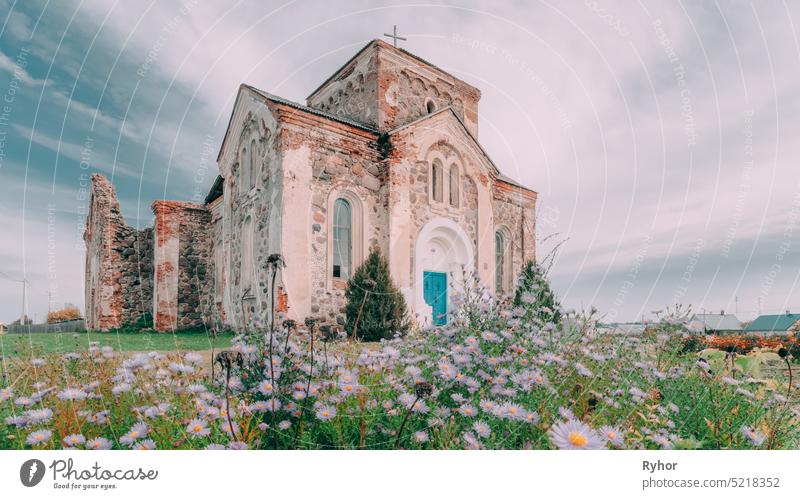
{"x": 253, "y": 165}
{"x": 247, "y": 271}
{"x": 500, "y": 262}
{"x": 436, "y": 180}
{"x": 430, "y": 106}
{"x": 244, "y": 171}
{"x": 453, "y": 185}
{"x": 342, "y": 239}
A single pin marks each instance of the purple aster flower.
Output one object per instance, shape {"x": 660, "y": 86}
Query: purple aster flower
{"x": 24, "y": 401}
{"x": 614, "y": 435}
{"x": 197, "y": 428}
{"x": 326, "y": 413}
{"x": 39, "y": 437}
{"x": 74, "y": 439}
{"x": 6, "y": 393}
{"x": 215, "y": 447}
{"x": 467, "y": 411}
{"x": 755, "y": 437}
{"x": 285, "y": 425}
{"x": 121, "y": 388}
{"x": 98, "y": 443}
{"x": 18, "y": 421}
{"x": 137, "y": 431}
{"x": 575, "y": 435}
{"x": 582, "y": 370}
{"x": 481, "y": 429}
{"x": 265, "y": 387}
{"x": 72, "y": 394}
{"x": 36, "y": 416}
{"x": 146, "y": 444}
{"x": 421, "y": 437}
{"x": 237, "y": 446}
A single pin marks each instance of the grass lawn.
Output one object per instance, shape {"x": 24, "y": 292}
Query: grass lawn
{"x": 14, "y": 345}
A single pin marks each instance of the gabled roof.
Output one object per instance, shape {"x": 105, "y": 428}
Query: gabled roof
{"x": 780, "y": 322}
{"x": 385, "y": 45}
{"x": 286, "y": 102}
{"x": 216, "y": 190}
{"x": 449, "y": 110}
{"x": 717, "y": 322}
{"x": 307, "y": 109}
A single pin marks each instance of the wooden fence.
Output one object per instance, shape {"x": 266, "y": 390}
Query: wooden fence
{"x": 75, "y": 326}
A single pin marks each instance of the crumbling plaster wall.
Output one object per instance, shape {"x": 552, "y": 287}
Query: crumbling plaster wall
{"x": 261, "y": 205}
{"x": 320, "y": 164}
{"x": 181, "y": 256}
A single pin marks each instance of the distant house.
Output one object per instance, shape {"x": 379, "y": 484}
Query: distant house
{"x": 774, "y": 324}
{"x": 2, "y": 328}
{"x": 721, "y": 323}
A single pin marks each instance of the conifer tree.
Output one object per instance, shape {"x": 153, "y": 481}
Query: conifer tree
{"x": 535, "y": 295}
{"x": 375, "y": 307}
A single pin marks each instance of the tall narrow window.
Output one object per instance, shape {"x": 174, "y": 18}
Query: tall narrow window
{"x": 253, "y": 165}
{"x": 453, "y": 185}
{"x": 342, "y": 239}
{"x": 436, "y": 180}
{"x": 247, "y": 270}
{"x": 244, "y": 171}
{"x": 500, "y": 261}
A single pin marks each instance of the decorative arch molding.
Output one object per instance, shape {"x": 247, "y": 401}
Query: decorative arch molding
{"x": 358, "y": 225}
{"x": 441, "y": 246}
{"x": 449, "y": 159}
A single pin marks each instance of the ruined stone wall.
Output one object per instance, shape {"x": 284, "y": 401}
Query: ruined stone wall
{"x": 136, "y": 279}
{"x": 193, "y": 268}
{"x": 180, "y": 261}
{"x": 119, "y": 263}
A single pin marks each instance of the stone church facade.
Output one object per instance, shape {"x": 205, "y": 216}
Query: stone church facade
{"x": 384, "y": 154}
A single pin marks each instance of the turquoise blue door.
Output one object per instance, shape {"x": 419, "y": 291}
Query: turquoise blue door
{"x": 435, "y": 294}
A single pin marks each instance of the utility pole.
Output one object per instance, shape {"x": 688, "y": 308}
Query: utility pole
{"x": 24, "y": 301}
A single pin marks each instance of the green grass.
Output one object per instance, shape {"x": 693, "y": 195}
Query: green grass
{"x": 14, "y": 345}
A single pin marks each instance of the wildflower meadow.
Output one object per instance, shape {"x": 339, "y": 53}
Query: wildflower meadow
{"x": 497, "y": 376}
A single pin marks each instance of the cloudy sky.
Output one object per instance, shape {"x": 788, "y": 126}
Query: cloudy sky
{"x": 662, "y": 137}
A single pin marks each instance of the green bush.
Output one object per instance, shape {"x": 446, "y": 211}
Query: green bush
{"x": 693, "y": 344}
{"x": 534, "y": 294}
{"x": 375, "y": 308}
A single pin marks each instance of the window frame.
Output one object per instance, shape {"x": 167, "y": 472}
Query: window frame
{"x": 336, "y": 230}
{"x": 453, "y": 186}
{"x": 358, "y": 229}
{"x": 437, "y": 180}
{"x": 499, "y": 261}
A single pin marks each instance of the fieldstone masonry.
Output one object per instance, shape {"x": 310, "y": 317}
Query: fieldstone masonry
{"x": 370, "y": 135}
{"x": 119, "y": 263}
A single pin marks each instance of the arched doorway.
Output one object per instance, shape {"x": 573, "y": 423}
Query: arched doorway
{"x": 442, "y": 250}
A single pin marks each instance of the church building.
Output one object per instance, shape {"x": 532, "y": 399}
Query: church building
{"x": 384, "y": 154}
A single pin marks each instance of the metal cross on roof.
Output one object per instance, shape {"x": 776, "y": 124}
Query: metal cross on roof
{"x": 394, "y": 36}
